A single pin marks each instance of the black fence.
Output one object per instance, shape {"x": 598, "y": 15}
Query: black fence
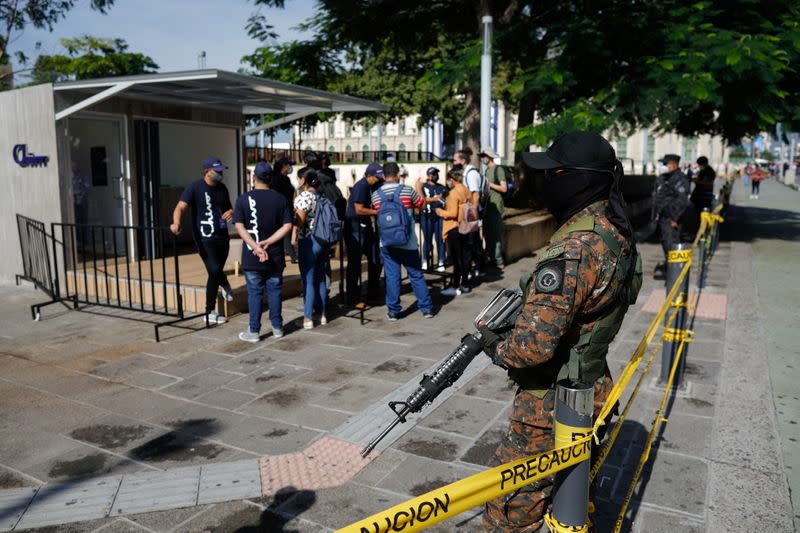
{"x": 253, "y": 155}
{"x": 35, "y": 247}
{"x": 132, "y": 268}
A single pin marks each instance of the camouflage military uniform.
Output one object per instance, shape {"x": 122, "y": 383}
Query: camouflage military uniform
{"x": 572, "y": 287}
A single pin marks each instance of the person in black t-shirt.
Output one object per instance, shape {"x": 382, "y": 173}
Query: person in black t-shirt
{"x": 263, "y": 218}
{"x": 360, "y": 238}
{"x": 211, "y": 212}
{"x": 283, "y": 185}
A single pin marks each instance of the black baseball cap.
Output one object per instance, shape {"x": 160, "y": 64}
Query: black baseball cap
{"x": 432, "y": 171}
{"x": 214, "y": 163}
{"x": 670, "y": 157}
{"x": 576, "y": 149}
{"x": 263, "y": 170}
{"x": 283, "y": 161}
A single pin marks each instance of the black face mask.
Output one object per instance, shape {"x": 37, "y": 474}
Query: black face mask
{"x": 567, "y": 192}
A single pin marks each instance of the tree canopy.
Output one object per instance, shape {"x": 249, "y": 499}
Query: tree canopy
{"x": 91, "y": 57}
{"x": 16, "y": 15}
{"x": 685, "y": 66}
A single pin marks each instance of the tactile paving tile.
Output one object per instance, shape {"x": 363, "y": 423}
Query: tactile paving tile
{"x": 158, "y": 491}
{"x": 327, "y": 463}
{"x": 223, "y": 482}
{"x": 12, "y": 504}
{"x": 70, "y": 502}
{"x": 712, "y": 305}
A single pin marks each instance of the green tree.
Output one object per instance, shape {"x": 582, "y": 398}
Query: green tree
{"x": 16, "y": 15}
{"x": 91, "y": 57}
{"x": 686, "y": 66}
{"x": 722, "y": 68}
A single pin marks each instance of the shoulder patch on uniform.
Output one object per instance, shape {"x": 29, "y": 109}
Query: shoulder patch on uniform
{"x": 550, "y": 278}
{"x": 552, "y": 252}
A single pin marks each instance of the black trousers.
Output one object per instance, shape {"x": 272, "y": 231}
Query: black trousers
{"x": 669, "y": 235}
{"x": 459, "y": 253}
{"x": 214, "y": 252}
{"x": 476, "y": 254}
{"x": 360, "y": 241}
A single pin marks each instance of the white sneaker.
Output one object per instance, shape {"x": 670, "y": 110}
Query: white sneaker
{"x": 323, "y": 320}
{"x": 227, "y": 293}
{"x": 441, "y": 267}
{"x": 424, "y": 265}
{"x": 308, "y": 324}
{"x": 214, "y": 318}
{"x": 277, "y": 333}
{"x": 249, "y": 336}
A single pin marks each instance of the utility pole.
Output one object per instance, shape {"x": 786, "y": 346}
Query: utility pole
{"x": 486, "y": 82}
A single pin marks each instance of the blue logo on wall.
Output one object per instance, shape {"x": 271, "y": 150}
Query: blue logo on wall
{"x": 24, "y": 159}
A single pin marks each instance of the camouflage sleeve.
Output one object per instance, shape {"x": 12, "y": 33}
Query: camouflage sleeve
{"x": 559, "y": 289}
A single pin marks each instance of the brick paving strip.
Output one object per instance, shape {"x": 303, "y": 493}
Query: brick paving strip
{"x": 329, "y": 462}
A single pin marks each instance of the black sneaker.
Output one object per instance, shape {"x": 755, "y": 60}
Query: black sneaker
{"x": 391, "y": 317}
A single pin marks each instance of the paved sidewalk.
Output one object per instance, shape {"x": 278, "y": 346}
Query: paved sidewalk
{"x": 203, "y": 432}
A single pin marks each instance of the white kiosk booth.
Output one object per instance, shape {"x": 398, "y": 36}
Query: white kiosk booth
{"x": 127, "y": 146}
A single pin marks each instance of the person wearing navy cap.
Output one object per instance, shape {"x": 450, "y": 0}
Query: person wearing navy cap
{"x": 211, "y": 211}
{"x": 360, "y": 238}
{"x": 263, "y": 218}
{"x": 433, "y": 194}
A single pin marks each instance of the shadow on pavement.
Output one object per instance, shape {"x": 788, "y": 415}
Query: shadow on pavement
{"x": 748, "y": 223}
{"x": 184, "y": 442}
{"x": 272, "y": 520}
{"x": 614, "y": 477}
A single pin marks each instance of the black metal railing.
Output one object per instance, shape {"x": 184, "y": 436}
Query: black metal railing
{"x": 134, "y": 268}
{"x": 35, "y": 250}
{"x": 127, "y": 267}
{"x": 253, "y": 155}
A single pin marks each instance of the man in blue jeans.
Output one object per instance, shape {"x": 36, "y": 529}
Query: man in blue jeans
{"x": 263, "y": 218}
{"x": 406, "y": 255}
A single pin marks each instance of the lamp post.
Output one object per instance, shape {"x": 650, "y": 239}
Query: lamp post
{"x": 486, "y": 81}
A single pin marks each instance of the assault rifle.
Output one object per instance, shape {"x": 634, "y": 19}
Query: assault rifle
{"x": 498, "y": 316}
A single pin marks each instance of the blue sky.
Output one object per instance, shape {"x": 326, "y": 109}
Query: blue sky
{"x": 172, "y": 32}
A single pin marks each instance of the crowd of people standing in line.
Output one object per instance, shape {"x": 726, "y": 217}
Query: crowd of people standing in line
{"x": 377, "y": 220}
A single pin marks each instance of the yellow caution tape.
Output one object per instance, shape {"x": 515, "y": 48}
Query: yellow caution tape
{"x": 565, "y": 434}
{"x": 677, "y": 335}
{"x": 457, "y": 497}
{"x": 679, "y": 256}
{"x": 557, "y": 527}
{"x": 612, "y": 435}
{"x": 633, "y": 364}
{"x": 649, "y": 443}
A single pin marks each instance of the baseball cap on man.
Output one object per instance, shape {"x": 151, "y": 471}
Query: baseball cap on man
{"x": 670, "y": 157}
{"x": 576, "y": 149}
{"x": 214, "y": 163}
{"x": 375, "y": 169}
{"x": 488, "y": 152}
{"x": 432, "y": 170}
{"x": 263, "y": 170}
{"x": 284, "y": 161}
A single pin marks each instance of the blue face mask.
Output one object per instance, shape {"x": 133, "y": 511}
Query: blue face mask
{"x": 216, "y": 175}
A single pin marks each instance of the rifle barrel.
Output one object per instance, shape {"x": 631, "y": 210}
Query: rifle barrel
{"x": 371, "y": 446}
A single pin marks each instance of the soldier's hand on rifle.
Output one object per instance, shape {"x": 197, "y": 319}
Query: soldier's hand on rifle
{"x": 490, "y": 339}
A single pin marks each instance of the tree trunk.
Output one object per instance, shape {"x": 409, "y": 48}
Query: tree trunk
{"x": 472, "y": 121}
{"x": 527, "y": 107}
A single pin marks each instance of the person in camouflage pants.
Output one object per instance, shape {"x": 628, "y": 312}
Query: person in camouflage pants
{"x": 574, "y": 304}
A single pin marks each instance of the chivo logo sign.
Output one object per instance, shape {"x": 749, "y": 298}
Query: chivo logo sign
{"x": 24, "y": 159}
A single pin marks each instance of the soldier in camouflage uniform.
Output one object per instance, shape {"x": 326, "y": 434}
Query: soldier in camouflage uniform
{"x": 575, "y": 301}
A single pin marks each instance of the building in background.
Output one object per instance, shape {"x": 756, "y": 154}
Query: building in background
{"x": 639, "y": 151}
